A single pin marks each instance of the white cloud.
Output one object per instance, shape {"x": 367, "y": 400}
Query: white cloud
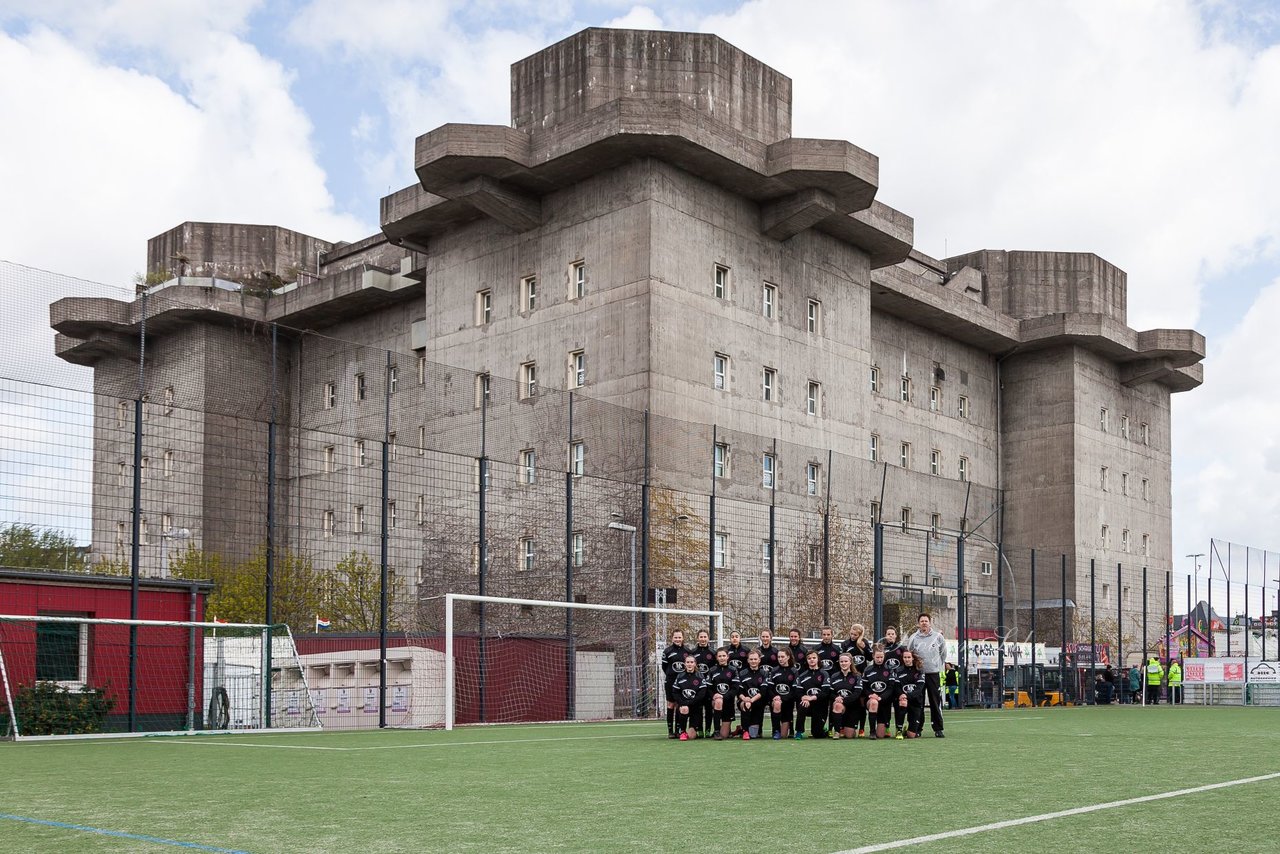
{"x": 637, "y": 18}
{"x": 111, "y": 156}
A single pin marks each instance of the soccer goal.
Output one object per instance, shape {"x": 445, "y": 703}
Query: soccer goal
{"x": 511, "y": 660}
{"x": 79, "y": 677}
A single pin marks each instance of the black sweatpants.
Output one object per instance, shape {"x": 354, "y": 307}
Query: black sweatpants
{"x": 933, "y": 687}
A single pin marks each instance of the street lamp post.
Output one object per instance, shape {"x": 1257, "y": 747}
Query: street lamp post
{"x": 631, "y": 530}
{"x": 165, "y": 536}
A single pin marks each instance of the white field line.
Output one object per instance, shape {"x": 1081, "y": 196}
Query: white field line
{"x": 654, "y": 734}
{"x": 1049, "y": 816}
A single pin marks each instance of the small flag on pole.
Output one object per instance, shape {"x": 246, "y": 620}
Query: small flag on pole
{"x": 321, "y": 625}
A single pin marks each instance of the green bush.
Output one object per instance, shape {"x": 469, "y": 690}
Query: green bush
{"x": 47, "y": 708}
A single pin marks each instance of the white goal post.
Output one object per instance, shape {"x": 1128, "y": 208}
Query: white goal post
{"x": 716, "y": 619}
{"x": 83, "y": 677}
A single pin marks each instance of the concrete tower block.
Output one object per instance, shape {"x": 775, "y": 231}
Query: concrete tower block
{"x": 597, "y": 66}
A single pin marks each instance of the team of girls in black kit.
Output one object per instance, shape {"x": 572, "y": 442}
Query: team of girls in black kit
{"x": 857, "y": 689}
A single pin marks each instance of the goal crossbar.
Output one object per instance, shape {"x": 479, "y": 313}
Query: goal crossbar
{"x": 450, "y": 598}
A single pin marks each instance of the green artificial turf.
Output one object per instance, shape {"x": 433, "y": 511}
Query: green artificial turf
{"x": 626, "y": 787}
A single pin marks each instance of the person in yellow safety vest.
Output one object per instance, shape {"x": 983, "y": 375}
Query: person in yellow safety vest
{"x": 1155, "y": 673}
{"x": 1175, "y": 682}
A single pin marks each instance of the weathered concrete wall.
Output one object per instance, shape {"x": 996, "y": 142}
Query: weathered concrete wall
{"x": 1033, "y": 284}
{"x": 562, "y": 82}
{"x": 234, "y": 250}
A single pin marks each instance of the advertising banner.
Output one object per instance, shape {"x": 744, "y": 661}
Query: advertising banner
{"x": 1212, "y": 670}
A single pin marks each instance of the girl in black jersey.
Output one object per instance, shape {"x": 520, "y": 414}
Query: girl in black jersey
{"x": 722, "y": 687}
{"x": 706, "y": 659}
{"x": 737, "y": 652}
{"x": 797, "y": 649}
{"x": 813, "y": 690}
{"x": 911, "y": 697}
{"x": 892, "y": 650}
{"x": 753, "y": 695}
{"x": 673, "y": 666}
{"x": 879, "y": 689}
{"x": 691, "y": 694}
{"x": 846, "y": 696}
{"x": 782, "y": 685}
{"x": 858, "y": 646}
{"x": 768, "y": 652}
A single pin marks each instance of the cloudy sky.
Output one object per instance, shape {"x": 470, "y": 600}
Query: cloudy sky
{"x": 1145, "y": 131}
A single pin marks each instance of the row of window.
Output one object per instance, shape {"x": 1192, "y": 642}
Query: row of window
{"x": 906, "y": 390}
{"x": 769, "y": 299}
{"x": 124, "y": 408}
{"x": 1104, "y": 483}
{"x": 360, "y": 384}
{"x": 1126, "y": 541}
{"x": 144, "y": 468}
{"x": 529, "y": 293}
{"x": 905, "y": 458}
{"x": 1143, "y": 433}
{"x": 144, "y": 531}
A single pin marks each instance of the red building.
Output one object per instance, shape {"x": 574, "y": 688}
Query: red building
{"x": 97, "y": 656}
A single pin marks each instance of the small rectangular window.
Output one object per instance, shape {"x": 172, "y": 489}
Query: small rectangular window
{"x": 767, "y": 469}
{"x": 964, "y": 468}
{"x": 1146, "y": 489}
{"x": 528, "y": 380}
{"x": 904, "y": 455}
{"x": 813, "y": 400}
{"x": 361, "y": 388}
{"x": 813, "y": 478}
{"x": 577, "y": 458}
{"x": 484, "y": 387}
{"x": 769, "y": 381}
{"x": 144, "y": 537}
{"x": 722, "y": 550}
{"x": 577, "y": 280}
{"x": 393, "y": 379}
{"x": 1104, "y": 420}
{"x": 166, "y": 524}
{"x": 421, "y": 509}
{"x": 935, "y": 525}
{"x": 875, "y": 512}
{"x": 330, "y": 459}
{"x": 875, "y": 379}
{"x": 122, "y": 473}
{"x": 722, "y": 460}
{"x": 528, "y": 466}
{"x": 1124, "y": 540}
{"x": 484, "y": 307}
{"x": 357, "y": 519}
{"x": 422, "y": 370}
{"x": 906, "y": 518}
{"x": 1124, "y": 426}
{"x": 986, "y": 567}
{"x": 875, "y": 448}
{"x": 361, "y": 459}
{"x": 579, "y": 548}
{"x": 1124, "y": 483}
{"x": 814, "y": 562}
{"x": 422, "y": 440}
{"x": 935, "y": 398}
{"x": 330, "y": 395}
{"x": 1103, "y": 478}
{"x": 326, "y": 523}
{"x": 935, "y": 462}
{"x": 1146, "y": 545}
{"x": 1105, "y": 537}
{"x": 720, "y": 371}
{"x": 168, "y": 400}
{"x": 146, "y": 464}
{"x": 529, "y": 288}
{"x": 766, "y": 556}
{"x": 391, "y": 514}
{"x": 813, "y": 320}
{"x": 119, "y": 536}
{"x": 720, "y": 286}
{"x": 963, "y": 406}
{"x": 526, "y": 554}
{"x": 1145, "y": 430}
{"x": 167, "y": 461}
{"x": 393, "y": 448}
{"x": 61, "y": 653}
{"x": 904, "y": 390}
{"x": 577, "y": 369}
{"x": 769, "y": 300}
{"x": 122, "y": 413}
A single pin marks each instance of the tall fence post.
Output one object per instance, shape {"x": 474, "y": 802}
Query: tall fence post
{"x": 1093, "y": 626}
{"x": 1168, "y": 618}
{"x": 135, "y": 554}
{"x": 711, "y": 527}
{"x": 482, "y": 571}
{"x": 877, "y": 576}
{"x": 1000, "y": 629}
{"x": 773, "y": 543}
{"x": 826, "y": 544}
{"x": 383, "y": 546}
{"x": 645, "y": 490}
{"x": 1119, "y": 656}
{"x": 570, "y": 669}
{"x": 1145, "y": 647}
{"x": 962, "y": 623}
{"x": 1035, "y": 678}
{"x": 269, "y": 592}
{"x": 1062, "y": 653}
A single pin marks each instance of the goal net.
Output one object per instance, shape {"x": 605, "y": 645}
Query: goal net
{"x": 511, "y": 660}
{"x": 82, "y": 677}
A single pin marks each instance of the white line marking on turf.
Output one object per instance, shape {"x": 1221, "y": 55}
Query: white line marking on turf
{"x": 411, "y": 746}
{"x": 1032, "y": 819}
